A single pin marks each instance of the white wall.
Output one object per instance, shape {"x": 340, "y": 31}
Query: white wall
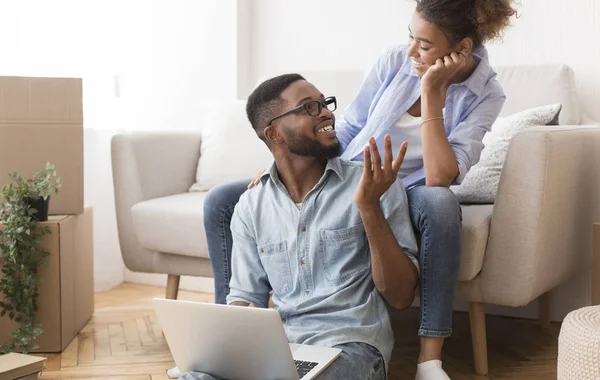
{"x": 175, "y": 55}
{"x": 312, "y": 35}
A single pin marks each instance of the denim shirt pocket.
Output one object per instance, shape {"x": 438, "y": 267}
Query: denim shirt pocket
{"x": 344, "y": 252}
{"x": 275, "y": 260}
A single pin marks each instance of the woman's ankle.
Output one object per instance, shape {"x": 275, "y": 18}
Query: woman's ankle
{"x": 431, "y": 348}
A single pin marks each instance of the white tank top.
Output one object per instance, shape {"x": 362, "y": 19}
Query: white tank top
{"x": 408, "y": 129}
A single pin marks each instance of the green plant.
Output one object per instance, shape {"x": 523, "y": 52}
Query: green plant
{"x": 21, "y": 254}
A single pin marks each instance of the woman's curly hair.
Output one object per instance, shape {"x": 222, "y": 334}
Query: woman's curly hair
{"x": 481, "y": 20}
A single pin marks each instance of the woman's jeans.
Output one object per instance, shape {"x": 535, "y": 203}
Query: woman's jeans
{"x": 436, "y": 216}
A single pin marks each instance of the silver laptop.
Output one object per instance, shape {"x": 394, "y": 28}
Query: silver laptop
{"x": 233, "y": 342}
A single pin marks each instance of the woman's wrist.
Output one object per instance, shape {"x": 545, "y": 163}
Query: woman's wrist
{"x": 434, "y": 94}
{"x": 432, "y": 104}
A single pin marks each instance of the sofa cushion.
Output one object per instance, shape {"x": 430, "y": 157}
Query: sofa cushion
{"x": 173, "y": 224}
{"x": 529, "y": 86}
{"x": 230, "y": 148}
{"x": 481, "y": 182}
{"x": 475, "y": 231}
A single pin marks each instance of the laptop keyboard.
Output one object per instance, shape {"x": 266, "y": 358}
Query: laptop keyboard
{"x": 304, "y": 367}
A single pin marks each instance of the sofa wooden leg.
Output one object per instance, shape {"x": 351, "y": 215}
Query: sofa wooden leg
{"x": 544, "y": 310}
{"x": 478, "y": 337}
{"x": 172, "y": 287}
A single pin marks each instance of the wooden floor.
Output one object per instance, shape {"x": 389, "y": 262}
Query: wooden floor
{"x": 124, "y": 341}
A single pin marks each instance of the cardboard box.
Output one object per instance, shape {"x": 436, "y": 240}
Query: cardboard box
{"x": 66, "y": 298}
{"x": 19, "y": 366}
{"x": 41, "y": 120}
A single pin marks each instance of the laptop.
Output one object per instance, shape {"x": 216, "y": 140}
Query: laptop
{"x": 233, "y": 342}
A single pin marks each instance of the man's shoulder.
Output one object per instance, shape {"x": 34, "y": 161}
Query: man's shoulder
{"x": 260, "y": 196}
{"x": 249, "y": 199}
{"x": 251, "y": 196}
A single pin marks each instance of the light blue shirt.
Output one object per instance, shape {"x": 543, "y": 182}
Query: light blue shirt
{"x": 391, "y": 87}
{"x": 316, "y": 258}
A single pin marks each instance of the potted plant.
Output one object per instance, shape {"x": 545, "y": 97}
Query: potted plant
{"x": 25, "y": 205}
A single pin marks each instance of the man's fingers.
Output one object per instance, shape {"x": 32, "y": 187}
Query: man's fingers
{"x": 400, "y": 157}
{"x": 375, "y": 157}
{"x": 448, "y": 61}
{"x": 387, "y": 153}
{"x": 367, "y": 171}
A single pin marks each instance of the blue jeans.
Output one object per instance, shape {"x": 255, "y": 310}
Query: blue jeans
{"x": 358, "y": 361}
{"x": 436, "y": 216}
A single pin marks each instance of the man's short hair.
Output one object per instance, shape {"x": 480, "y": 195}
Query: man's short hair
{"x": 265, "y": 100}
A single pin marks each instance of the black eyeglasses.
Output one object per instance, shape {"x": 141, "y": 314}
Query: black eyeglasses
{"x": 313, "y": 108}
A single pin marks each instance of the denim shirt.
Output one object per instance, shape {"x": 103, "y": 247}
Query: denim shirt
{"x": 391, "y": 87}
{"x": 316, "y": 258}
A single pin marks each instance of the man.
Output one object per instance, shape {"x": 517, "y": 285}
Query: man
{"x": 331, "y": 238}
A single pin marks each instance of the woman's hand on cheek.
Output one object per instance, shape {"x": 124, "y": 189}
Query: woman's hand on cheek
{"x": 440, "y": 75}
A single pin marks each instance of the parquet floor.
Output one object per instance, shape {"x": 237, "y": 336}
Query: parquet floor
{"x": 123, "y": 342}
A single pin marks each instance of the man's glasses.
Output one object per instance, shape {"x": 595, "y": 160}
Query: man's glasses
{"x": 313, "y": 108}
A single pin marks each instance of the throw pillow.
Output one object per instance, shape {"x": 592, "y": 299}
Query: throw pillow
{"x": 230, "y": 148}
{"x": 481, "y": 182}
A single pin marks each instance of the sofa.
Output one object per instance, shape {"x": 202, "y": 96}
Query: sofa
{"x": 528, "y": 242}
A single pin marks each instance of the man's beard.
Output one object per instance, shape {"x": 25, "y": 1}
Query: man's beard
{"x": 312, "y": 148}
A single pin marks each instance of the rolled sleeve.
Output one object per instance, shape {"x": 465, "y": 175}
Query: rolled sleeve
{"x": 394, "y": 204}
{"x": 466, "y": 138}
{"x": 249, "y": 282}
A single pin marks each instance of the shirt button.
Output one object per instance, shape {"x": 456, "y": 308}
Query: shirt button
{"x": 302, "y": 228}
{"x": 303, "y": 261}
{"x": 282, "y": 320}
{"x": 306, "y": 292}
{"x": 261, "y": 250}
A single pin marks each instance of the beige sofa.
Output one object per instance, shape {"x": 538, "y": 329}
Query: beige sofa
{"x": 531, "y": 240}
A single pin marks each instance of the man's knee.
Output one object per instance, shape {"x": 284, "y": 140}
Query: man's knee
{"x": 357, "y": 361}
{"x": 196, "y": 376}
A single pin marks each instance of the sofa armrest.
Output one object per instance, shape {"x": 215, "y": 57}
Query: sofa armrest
{"x": 148, "y": 165}
{"x": 548, "y": 197}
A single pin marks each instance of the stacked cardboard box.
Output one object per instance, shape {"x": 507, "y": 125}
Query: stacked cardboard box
{"x": 41, "y": 120}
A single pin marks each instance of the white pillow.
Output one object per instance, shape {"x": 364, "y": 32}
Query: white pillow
{"x": 230, "y": 148}
{"x": 481, "y": 182}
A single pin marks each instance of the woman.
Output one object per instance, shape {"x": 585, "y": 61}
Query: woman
{"x": 438, "y": 92}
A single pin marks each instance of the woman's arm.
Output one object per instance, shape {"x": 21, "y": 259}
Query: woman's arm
{"x": 439, "y": 160}
{"x": 438, "y": 157}
{"x": 447, "y": 159}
